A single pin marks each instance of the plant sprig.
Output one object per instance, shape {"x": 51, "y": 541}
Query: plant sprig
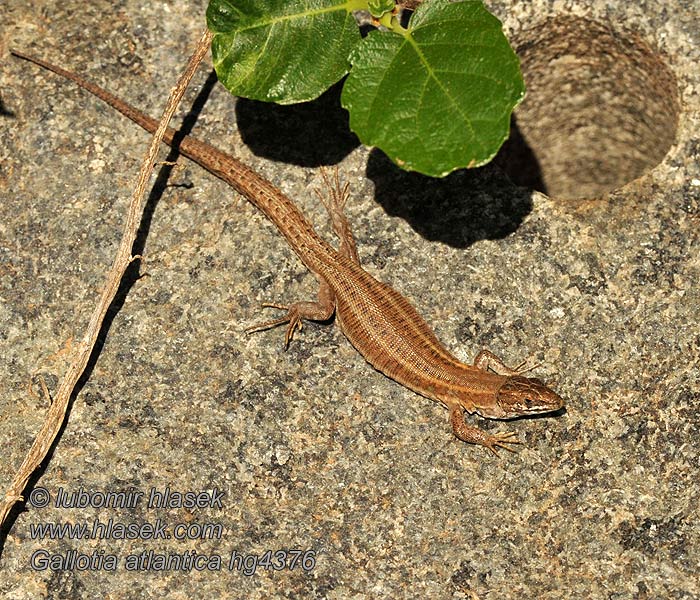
{"x": 435, "y": 96}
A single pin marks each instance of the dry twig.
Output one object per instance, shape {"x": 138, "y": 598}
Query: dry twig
{"x": 57, "y": 410}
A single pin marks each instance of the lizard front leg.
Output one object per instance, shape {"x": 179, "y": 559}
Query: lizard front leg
{"x": 488, "y": 361}
{"x": 474, "y": 435}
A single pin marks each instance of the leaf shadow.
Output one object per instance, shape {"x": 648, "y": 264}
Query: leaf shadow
{"x": 464, "y": 207}
{"x": 310, "y": 134}
{"x": 519, "y": 161}
{"x": 458, "y": 210}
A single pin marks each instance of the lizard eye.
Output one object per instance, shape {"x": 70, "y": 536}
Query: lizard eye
{"x": 528, "y": 402}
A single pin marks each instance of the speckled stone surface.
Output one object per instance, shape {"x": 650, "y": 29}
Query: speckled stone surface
{"x": 311, "y": 448}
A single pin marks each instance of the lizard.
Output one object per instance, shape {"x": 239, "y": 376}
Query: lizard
{"x": 377, "y": 320}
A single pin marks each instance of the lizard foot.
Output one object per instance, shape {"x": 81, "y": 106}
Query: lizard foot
{"x": 500, "y": 440}
{"x": 334, "y": 200}
{"x": 292, "y": 317}
{"x": 488, "y": 361}
{"x": 474, "y": 435}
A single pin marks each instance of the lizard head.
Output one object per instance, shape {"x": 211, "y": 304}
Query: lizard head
{"x": 523, "y": 396}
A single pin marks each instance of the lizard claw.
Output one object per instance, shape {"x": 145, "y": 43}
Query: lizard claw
{"x": 292, "y": 317}
{"x": 500, "y": 440}
{"x": 521, "y": 368}
{"x": 488, "y": 361}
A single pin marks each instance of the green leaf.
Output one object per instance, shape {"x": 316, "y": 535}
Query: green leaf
{"x": 378, "y": 8}
{"x": 438, "y": 96}
{"x": 281, "y": 51}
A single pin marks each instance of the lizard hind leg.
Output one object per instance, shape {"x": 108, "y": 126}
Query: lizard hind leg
{"x": 323, "y": 308}
{"x": 334, "y": 200}
{"x": 320, "y": 310}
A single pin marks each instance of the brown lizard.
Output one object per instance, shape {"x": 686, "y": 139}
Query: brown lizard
{"x": 378, "y": 321}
